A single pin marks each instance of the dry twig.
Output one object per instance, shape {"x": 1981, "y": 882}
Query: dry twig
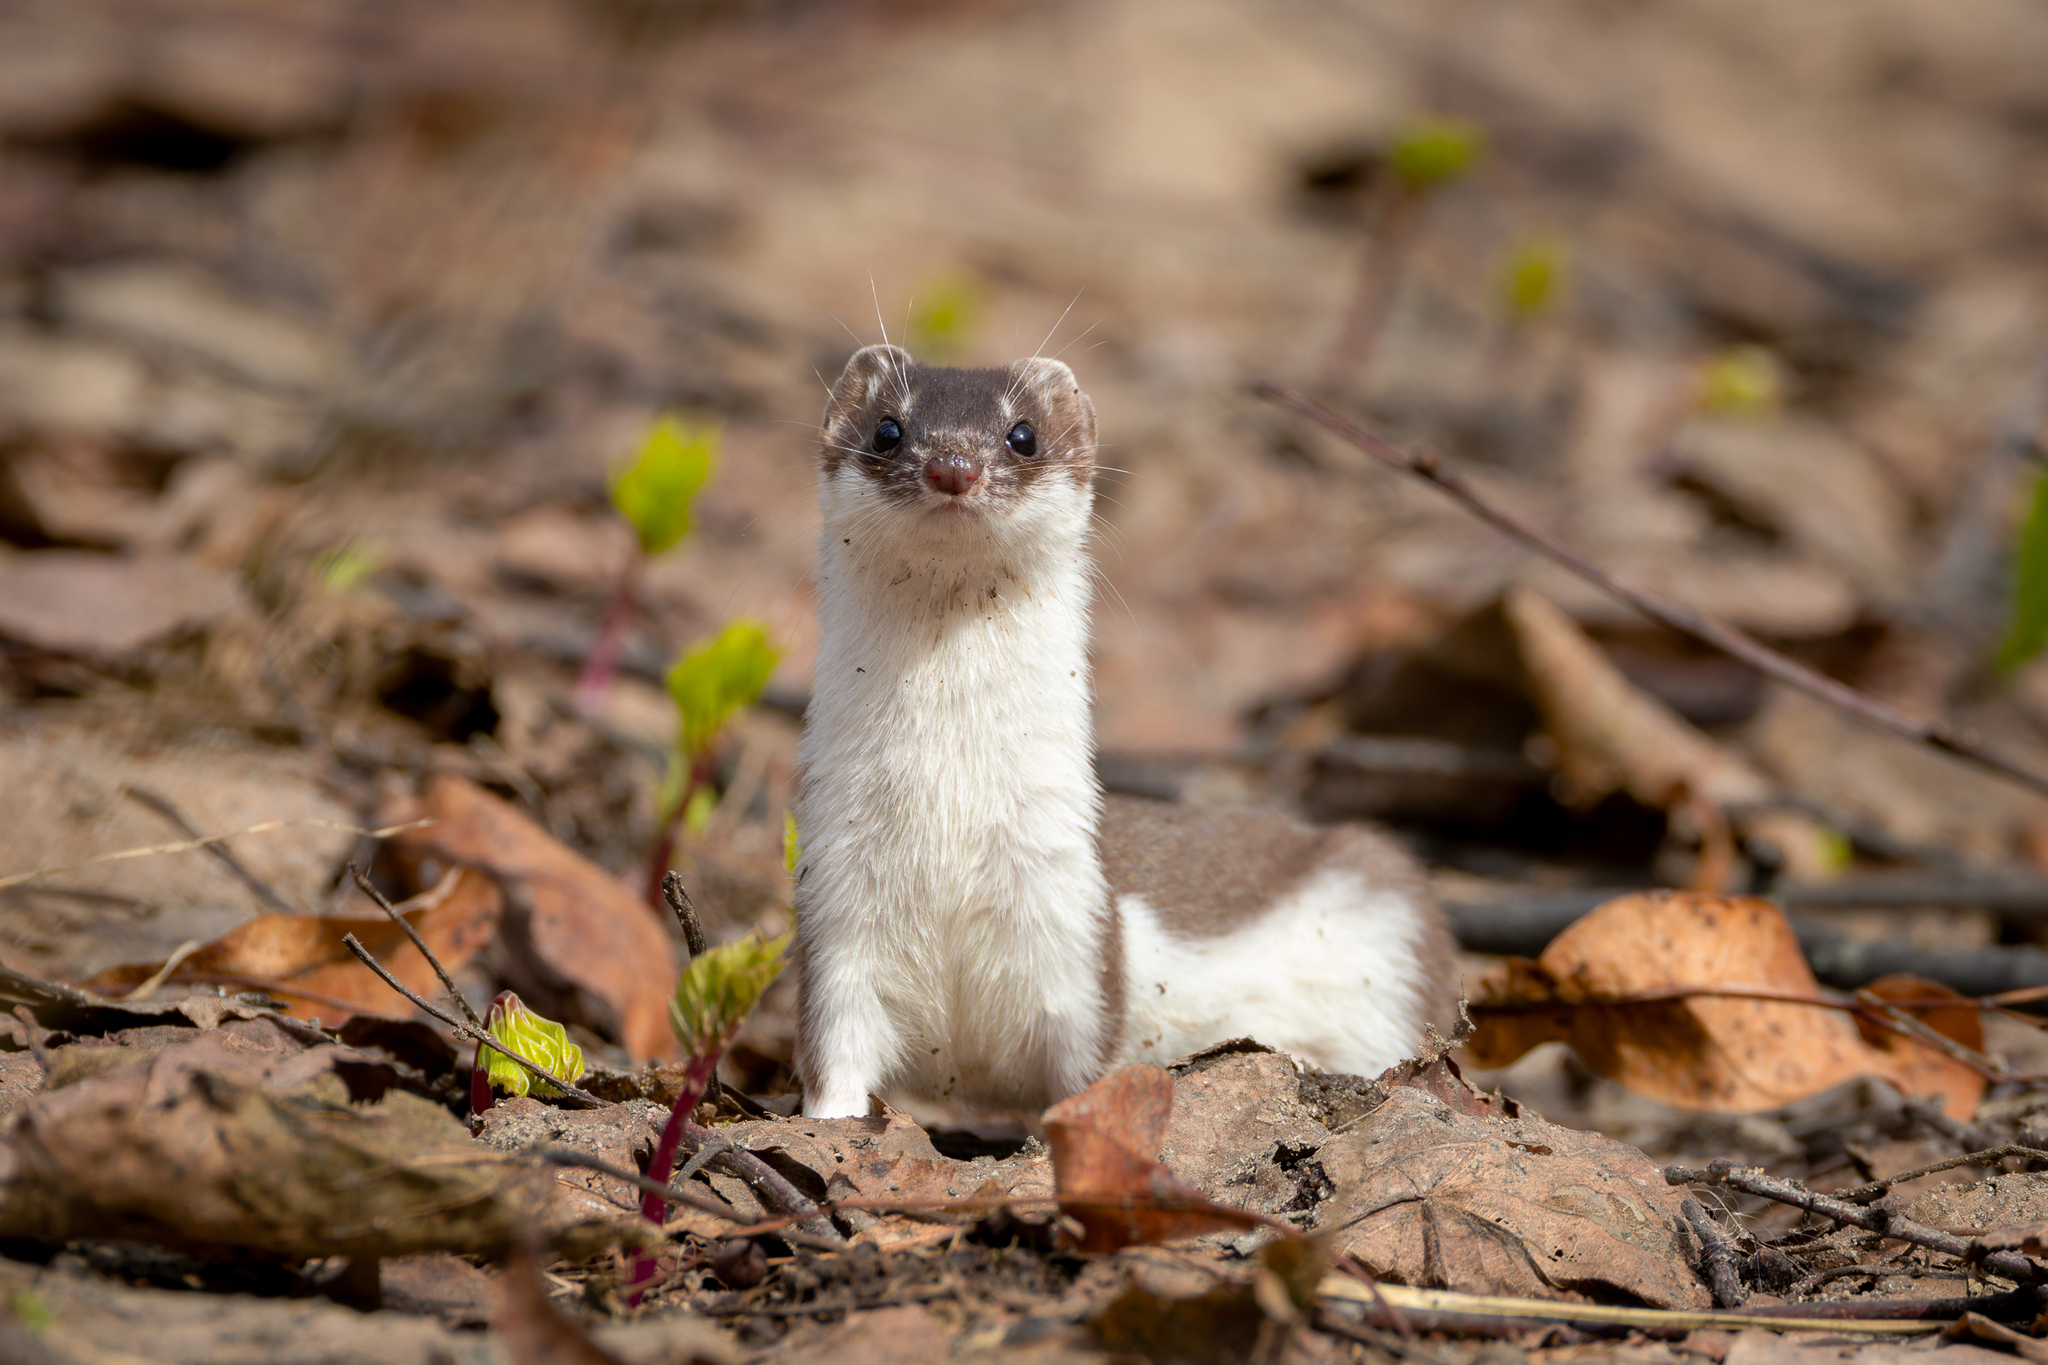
{"x": 470, "y": 1031}
{"x": 1425, "y": 465}
{"x": 1876, "y": 1189}
{"x": 1717, "y": 1258}
{"x": 1884, "y": 1222}
{"x": 364, "y": 885}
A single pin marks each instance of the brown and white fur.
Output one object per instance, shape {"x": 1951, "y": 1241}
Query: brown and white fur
{"x": 975, "y": 921}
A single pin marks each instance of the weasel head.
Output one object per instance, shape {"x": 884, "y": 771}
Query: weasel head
{"x": 934, "y": 457}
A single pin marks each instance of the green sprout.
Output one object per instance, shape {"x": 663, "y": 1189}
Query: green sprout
{"x": 531, "y": 1035}
{"x": 657, "y": 491}
{"x": 1434, "y": 151}
{"x": 2027, "y": 628}
{"x": 714, "y": 996}
{"x": 708, "y": 684}
{"x": 711, "y": 682}
{"x": 350, "y": 564}
{"x": 1532, "y": 279}
{"x": 1742, "y": 381}
{"x": 657, "y": 495}
{"x": 720, "y": 988}
{"x": 943, "y": 317}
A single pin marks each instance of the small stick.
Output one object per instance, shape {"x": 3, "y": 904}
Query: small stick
{"x": 675, "y": 1194}
{"x": 474, "y": 1034}
{"x": 264, "y": 891}
{"x": 1864, "y": 1194}
{"x": 686, "y": 912}
{"x": 1901, "y": 1022}
{"x": 2011, "y": 1264}
{"x": 1717, "y": 1258}
{"x": 364, "y": 885}
{"x": 1738, "y": 644}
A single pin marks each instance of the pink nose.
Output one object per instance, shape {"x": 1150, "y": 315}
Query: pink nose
{"x": 953, "y": 474}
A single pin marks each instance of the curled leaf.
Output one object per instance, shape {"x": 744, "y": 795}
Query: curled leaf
{"x": 720, "y": 988}
{"x": 537, "y": 1038}
{"x": 658, "y": 489}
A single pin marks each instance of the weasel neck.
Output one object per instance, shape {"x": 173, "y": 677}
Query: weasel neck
{"x": 971, "y": 669}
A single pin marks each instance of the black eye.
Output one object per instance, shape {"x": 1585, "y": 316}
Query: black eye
{"x": 887, "y": 436}
{"x": 1022, "y": 440}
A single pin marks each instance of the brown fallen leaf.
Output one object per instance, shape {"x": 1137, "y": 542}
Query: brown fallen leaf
{"x": 1613, "y": 736}
{"x": 301, "y": 960}
{"x": 1105, "y": 1142}
{"x": 1431, "y": 1197}
{"x": 1706, "y": 1051}
{"x": 100, "y": 607}
{"x": 591, "y": 948}
{"x": 209, "y": 1146}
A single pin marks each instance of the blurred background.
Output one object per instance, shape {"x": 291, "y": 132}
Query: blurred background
{"x": 326, "y": 327}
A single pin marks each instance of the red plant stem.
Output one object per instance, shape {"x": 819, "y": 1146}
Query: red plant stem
{"x": 701, "y": 772}
{"x": 480, "y": 1096}
{"x": 654, "y": 1207}
{"x": 601, "y": 665}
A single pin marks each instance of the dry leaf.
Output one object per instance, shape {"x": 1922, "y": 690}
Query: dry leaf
{"x": 208, "y": 1146}
{"x": 1612, "y": 736}
{"x": 1713, "y": 1052}
{"x": 572, "y": 920}
{"x": 1429, "y": 1196}
{"x": 301, "y": 960}
{"x": 1105, "y": 1142}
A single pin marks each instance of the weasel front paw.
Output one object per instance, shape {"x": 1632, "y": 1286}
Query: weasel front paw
{"x": 836, "y": 1101}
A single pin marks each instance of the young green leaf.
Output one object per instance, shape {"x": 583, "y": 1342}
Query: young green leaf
{"x": 1742, "y": 381}
{"x": 657, "y": 490}
{"x": 712, "y": 681}
{"x": 720, "y": 988}
{"x": 539, "y": 1039}
{"x": 1432, "y": 151}
{"x": 791, "y": 849}
{"x": 1532, "y": 279}
{"x": 944, "y": 314}
{"x": 2027, "y": 629}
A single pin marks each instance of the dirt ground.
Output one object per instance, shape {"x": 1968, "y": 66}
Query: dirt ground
{"x": 324, "y": 327}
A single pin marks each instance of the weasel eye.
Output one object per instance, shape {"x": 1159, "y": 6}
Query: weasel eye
{"x": 887, "y": 436}
{"x": 1022, "y": 440}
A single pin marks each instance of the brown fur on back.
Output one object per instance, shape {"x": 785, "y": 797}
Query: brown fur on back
{"x": 1210, "y": 868}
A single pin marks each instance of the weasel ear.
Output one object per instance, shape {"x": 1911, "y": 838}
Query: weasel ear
{"x": 872, "y": 372}
{"x": 1054, "y": 386}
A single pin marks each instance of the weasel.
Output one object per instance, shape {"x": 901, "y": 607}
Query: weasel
{"x": 974, "y": 920}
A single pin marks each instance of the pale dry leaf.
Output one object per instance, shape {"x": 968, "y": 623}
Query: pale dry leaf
{"x": 1706, "y": 1051}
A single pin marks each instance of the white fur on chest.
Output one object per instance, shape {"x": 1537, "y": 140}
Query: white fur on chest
{"x": 948, "y": 811}
{"x": 1330, "y": 973}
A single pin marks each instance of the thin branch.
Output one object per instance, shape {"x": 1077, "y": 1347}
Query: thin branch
{"x": 364, "y": 885}
{"x": 469, "y": 1031}
{"x": 1885, "y": 1223}
{"x": 1717, "y": 1258}
{"x": 1864, "y": 1194}
{"x": 1738, "y": 644}
{"x": 676, "y": 1194}
{"x": 686, "y": 912}
{"x": 206, "y": 841}
{"x": 264, "y": 891}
